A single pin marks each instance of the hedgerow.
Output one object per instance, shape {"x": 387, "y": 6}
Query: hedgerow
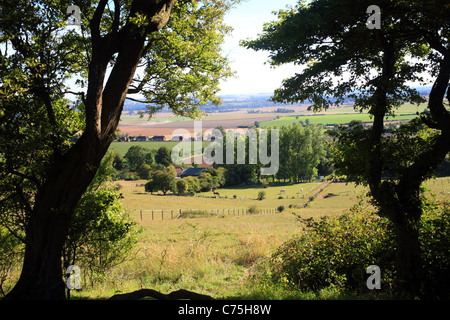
{"x": 337, "y": 251}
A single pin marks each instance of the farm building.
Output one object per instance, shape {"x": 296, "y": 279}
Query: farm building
{"x": 191, "y": 172}
{"x": 141, "y": 138}
{"x": 158, "y": 138}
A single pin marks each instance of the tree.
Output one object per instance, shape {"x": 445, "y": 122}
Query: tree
{"x": 144, "y": 171}
{"x": 101, "y": 233}
{"x": 44, "y": 172}
{"x": 163, "y": 180}
{"x": 182, "y": 187}
{"x": 301, "y": 150}
{"x": 163, "y": 156}
{"x": 118, "y": 161}
{"x": 345, "y": 59}
{"x": 193, "y": 184}
{"x": 136, "y": 156}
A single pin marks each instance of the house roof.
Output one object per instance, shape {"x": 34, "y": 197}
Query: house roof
{"x": 192, "y": 172}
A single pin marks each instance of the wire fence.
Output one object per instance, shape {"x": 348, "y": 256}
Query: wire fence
{"x": 170, "y": 214}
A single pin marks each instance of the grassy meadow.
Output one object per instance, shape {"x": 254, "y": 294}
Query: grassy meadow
{"x": 216, "y": 254}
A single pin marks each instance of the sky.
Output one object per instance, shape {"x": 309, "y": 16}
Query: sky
{"x": 253, "y": 76}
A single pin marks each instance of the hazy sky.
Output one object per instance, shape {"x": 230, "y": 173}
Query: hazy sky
{"x": 247, "y": 20}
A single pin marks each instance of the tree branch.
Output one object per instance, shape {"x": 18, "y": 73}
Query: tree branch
{"x": 96, "y": 20}
{"x": 176, "y": 295}
{"x": 136, "y": 100}
{"x": 439, "y": 114}
{"x": 77, "y": 94}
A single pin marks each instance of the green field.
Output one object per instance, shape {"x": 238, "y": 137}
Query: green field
{"x": 215, "y": 254}
{"x": 330, "y": 119}
{"x": 122, "y": 147}
{"x": 342, "y": 116}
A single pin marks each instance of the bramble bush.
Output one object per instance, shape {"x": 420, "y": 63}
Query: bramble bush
{"x": 337, "y": 251}
{"x": 434, "y": 236}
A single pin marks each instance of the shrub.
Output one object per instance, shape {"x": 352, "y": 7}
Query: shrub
{"x": 335, "y": 252}
{"x": 101, "y": 234}
{"x": 195, "y": 214}
{"x": 252, "y": 209}
{"x": 11, "y": 251}
{"x": 182, "y": 187}
{"x": 261, "y": 195}
{"x": 434, "y": 236}
{"x": 280, "y": 208}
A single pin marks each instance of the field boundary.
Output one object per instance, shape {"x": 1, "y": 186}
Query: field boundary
{"x": 172, "y": 214}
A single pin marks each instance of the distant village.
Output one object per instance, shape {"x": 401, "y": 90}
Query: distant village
{"x": 126, "y": 138}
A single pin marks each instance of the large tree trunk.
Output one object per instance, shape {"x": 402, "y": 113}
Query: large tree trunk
{"x": 71, "y": 174}
{"x": 42, "y": 276}
{"x": 410, "y": 270}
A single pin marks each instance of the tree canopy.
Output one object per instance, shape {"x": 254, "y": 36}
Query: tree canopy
{"x": 164, "y": 53}
{"x": 344, "y": 58}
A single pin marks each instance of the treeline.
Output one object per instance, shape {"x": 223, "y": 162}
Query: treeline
{"x": 303, "y": 155}
{"x": 157, "y": 168}
{"x": 278, "y": 110}
{"x": 164, "y": 180}
{"x": 139, "y": 162}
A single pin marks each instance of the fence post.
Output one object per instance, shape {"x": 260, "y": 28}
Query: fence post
{"x": 162, "y": 214}
{"x": 171, "y": 214}
{"x": 140, "y": 214}
{"x": 152, "y": 215}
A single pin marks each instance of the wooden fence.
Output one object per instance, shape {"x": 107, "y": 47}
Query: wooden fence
{"x": 166, "y": 214}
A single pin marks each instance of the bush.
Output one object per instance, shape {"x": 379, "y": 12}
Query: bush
{"x": 337, "y": 252}
{"x": 101, "y": 234}
{"x": 195, "y": 214}
{"x": 11, "y": 251}
{"x": 281, "y": 208}
{"x": 252, "y": 209}
{"x": 434, "y": 236}
{"x": 261, "y": 195}
{"x": 182, "y": 187}
{"x": 162, "y": 180}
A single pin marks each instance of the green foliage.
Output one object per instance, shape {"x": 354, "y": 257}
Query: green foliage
{"x": 207, "y": 181}
{"x": 301, "y": 150}
{"x": 261, "y": 195}
{"x": 400, "y": 149}
{"x": 136, "y": 156}
{"x": 335, "y": 251}
{"x": 162, "y": 180}
{"x": 435, "y": 243}
{"x": 182, "y": 187}
{"x": 186, "y": 57}
{"x": 144, "y": 171}
{"x": 193, "y": 184}
{"x": 163, "y": 156}
{"x": 11, "y": 250}
{"x": 101, "y": 234}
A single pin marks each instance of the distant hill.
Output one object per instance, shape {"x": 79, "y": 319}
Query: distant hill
{"x": 244, "y": 101}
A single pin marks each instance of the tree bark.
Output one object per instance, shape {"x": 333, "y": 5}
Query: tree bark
{"x": 401, "y": 202}
{"x": 409, "y": 265}
{"x": 47, "y": 228}
{"x": 71, "y": 174}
